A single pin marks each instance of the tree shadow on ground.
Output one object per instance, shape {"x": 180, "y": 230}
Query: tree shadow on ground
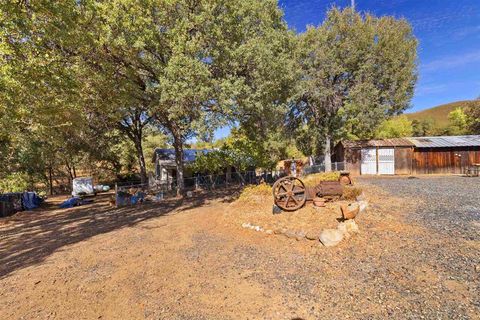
{"x": 30, "y": 237}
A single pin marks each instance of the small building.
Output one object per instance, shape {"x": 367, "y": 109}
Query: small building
{"x": 166, "y": 167}
{"x": 415, "y": 155}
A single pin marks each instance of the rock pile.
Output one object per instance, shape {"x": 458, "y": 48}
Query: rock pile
{"x": 328, "y": 237}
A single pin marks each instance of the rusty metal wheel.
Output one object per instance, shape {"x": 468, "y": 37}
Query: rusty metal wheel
{"x": 289, "y": 193}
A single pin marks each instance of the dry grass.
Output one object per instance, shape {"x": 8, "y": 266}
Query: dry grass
{"x": 255, "y": 191}
{"x": 351, "y": 192}
{"x": 314, "y": 179}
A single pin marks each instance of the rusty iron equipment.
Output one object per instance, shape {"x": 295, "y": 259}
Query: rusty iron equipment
{"x": 290, "y": 193}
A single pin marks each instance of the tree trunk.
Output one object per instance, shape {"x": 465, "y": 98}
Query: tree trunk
{"x": 328, "y": 154}
{"x": 141, "y": 159}
{"x": 178, "y": 145}
{"x": 50, "y": 179}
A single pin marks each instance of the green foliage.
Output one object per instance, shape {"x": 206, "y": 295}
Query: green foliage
{"x": 356, "y": 71}
{"x": 75, "y": 67}
{"x": 396, "y": 127}
{"x": 473, "y": 114}
{"x": 459, "y": 122}
{"x": 15, "y": 182}
{"x": 422, "y": 128}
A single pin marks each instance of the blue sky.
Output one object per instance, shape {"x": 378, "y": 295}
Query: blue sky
{"x": 449, "y": 42}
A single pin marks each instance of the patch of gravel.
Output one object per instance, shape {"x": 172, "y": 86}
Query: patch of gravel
{"x": 446, "y": 204}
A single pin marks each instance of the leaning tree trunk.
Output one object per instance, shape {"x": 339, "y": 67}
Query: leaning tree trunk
{"x": 141, "y": 159}
{"x": 178, "y": 145}
{"x": 328, "y": 153}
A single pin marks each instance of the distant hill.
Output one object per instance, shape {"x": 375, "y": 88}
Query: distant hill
{"x": 439, "y": 113}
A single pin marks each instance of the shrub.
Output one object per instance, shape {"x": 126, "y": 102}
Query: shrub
{"x": 15, "y": 182}
{"x": 351, "y": 192}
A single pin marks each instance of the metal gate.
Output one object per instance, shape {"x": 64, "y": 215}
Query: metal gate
{"x": 369, "y": 161}
{"x": 386, "y": 161}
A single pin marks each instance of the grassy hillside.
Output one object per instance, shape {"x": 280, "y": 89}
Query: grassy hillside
{"x": 439, "y": 114}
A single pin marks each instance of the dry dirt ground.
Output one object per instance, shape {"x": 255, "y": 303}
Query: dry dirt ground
{"x": 193, "y": 260}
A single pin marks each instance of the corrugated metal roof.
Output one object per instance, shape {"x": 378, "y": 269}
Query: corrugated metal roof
{"x": 394, "y": 142}
{"x": 418, "y": 142}
{"x": 446, "y": 141}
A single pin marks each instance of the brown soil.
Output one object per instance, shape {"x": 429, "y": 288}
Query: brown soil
{"x": 192, "y": 259}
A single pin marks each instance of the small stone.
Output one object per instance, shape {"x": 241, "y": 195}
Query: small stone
{"x": 477, "y": 268}
{"x": 360, "y": 197}
{"x": 300, "y": 235}
{"x": 276, "y": 210}
{"x": 311, "y": 235}
{"x": 352, "y": 226}
{"x": 348, "y": 226}
{"x": 277, "y": 231}
{"x": 363, "y": 206}
{"x": 331, "y": 237}
{"x": 290, "y": 234}
{"x": 269, "y": 231}
{"x": 245, "y": 225}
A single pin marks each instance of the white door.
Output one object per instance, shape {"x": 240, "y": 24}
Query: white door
{"x": 369, "y": 161}
{"x": 386, "y": 161}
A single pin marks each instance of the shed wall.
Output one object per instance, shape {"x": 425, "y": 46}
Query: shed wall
{"x": 403, "y": 160}
{"x": 444, "y": 160}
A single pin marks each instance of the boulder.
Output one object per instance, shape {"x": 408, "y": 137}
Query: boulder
{"x": 331, "y": 237}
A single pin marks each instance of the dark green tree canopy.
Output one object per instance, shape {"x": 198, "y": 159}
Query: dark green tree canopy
{"x": 355, "y": 71}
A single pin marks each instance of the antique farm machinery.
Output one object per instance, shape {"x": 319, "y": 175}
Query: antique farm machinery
{"x": 290, "y": 193}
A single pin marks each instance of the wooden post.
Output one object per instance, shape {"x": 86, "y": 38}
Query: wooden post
{"x": 116, "y": 192}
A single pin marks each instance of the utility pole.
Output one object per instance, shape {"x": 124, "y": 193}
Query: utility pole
{"x": 353, "y": 4}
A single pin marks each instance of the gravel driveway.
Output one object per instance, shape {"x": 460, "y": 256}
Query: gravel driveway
{"x": 448, "y": 204}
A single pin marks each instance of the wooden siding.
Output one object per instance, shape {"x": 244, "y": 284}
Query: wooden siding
{"x": 444, "y": 160}
{"x": 410, "y": 160}
{"x": 403, "y": 160}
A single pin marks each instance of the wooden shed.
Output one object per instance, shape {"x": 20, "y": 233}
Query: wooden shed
{"x": 416, "y": 155}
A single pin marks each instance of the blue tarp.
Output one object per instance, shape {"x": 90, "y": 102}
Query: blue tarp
{"x": 70, "y": 203}
{"x": 31, "y": 200}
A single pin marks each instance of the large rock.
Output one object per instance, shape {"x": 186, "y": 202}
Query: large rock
{"x": 331, "y": 237}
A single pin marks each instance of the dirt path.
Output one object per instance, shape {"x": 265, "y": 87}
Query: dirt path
{"x": 190, "y": 261}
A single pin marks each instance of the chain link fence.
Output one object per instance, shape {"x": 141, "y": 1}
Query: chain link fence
{"x": 131, "y": 194}
{"x": 336, "y": 166}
